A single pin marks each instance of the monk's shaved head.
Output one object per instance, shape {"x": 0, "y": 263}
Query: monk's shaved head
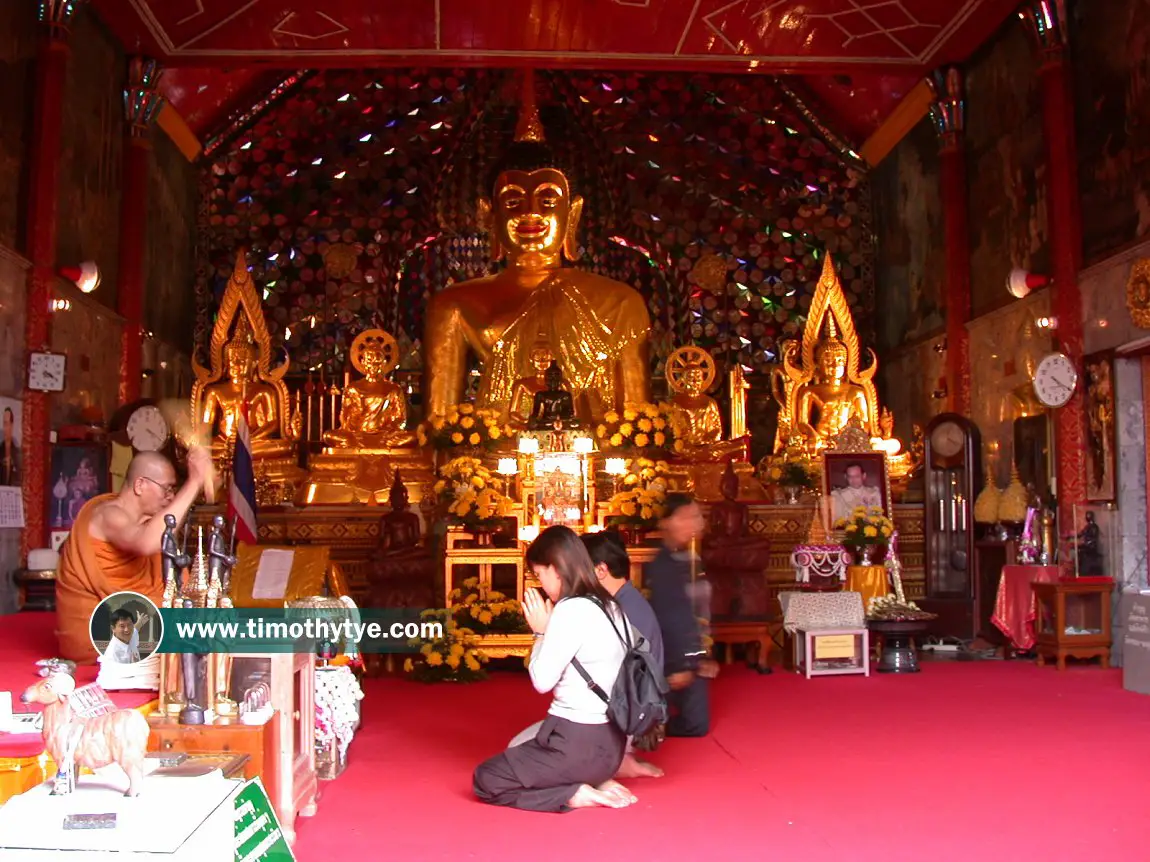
{"x": 151, "y": 465}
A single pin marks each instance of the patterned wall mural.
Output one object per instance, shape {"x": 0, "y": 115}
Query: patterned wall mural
{"x": 357, "y": 194}
{"x": 910, "y": 250}
{"x": 169, "y": 252}
{"x": 91, "y": 156}
{"x": 1006, "y": 167}
{"x": 1112, "y": 64}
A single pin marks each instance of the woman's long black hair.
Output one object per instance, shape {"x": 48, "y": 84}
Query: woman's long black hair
{"x": 560, "y": 548}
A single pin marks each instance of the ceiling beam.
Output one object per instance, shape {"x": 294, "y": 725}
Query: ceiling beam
{"x": 179, "y": 132}
{"x": 914, "y": 106}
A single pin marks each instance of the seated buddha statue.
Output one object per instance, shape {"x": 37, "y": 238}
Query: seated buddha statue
{"x": 221, "y": 401}
{"x": 735, "y": 560}
{"x": 404, "y": 568}
{"x": 597, "y": 328}
{"x": 522, "y": 403}
{"x": 361, "y": 456}
{"x": 829, "y": 403}
{"x": 690, "y": 373}
{"x": 374, "y": 410}
{"x": 553, "y": 407}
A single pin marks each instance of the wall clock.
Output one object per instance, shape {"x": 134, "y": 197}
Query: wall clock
{"x": 46, "y": 372}
{"x": 1055, "y": 380}
{"x": 147, "y": 429}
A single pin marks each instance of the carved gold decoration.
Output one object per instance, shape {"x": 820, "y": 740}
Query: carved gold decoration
{"x": 1138, "y": 293}
{"x": 710, "y": 273}
{"x": 375, "y": 340}
{"x": 339, "y": 260}
{"x": 825, "y": 372}
{"x": 690, "y": 362}
{"x": 737, "y": 387}
{"x": 851, "y": 439}
{"x": 690, "y": 372}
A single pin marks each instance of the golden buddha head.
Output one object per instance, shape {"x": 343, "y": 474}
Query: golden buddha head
{"x": 541, "y": 357}
{"x": 240, "y": 354}
{"x": 831, "y": 358}
{"x": 373, "y": 362}
{"x": 532, "y": 214}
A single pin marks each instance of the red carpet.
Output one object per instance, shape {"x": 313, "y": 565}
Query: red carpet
{"x": 965, "y": 761}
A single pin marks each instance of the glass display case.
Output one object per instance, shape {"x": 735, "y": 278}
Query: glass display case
{"x": 1091, "y": 543}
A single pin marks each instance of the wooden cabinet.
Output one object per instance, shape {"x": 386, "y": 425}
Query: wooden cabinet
{"x": 1073, "y": 620}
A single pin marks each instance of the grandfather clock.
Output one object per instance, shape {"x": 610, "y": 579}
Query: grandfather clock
{"x": 952, "y": 477}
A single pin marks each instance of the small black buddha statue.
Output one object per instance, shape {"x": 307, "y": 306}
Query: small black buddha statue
{"x": 1089, "y": 554}
{"x": 553, "y": 407}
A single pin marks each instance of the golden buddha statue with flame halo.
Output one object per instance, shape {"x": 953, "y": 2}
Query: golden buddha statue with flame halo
{"x": 597, "y": 328}
{"x": 373, "y": 413}
{"x": 240, "y": 370}
{"x": 821, "y": 388}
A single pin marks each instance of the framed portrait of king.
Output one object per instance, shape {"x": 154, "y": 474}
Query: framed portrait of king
{"x": 853, "y": 479}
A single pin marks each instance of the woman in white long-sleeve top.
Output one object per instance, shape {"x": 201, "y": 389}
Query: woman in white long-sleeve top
{"x": 571, "y": 761}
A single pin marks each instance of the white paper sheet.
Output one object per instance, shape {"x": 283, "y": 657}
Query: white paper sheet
{"x": 273, "y": 574}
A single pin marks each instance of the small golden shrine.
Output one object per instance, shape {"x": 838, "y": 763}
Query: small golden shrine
{"x": 240, "y": 372}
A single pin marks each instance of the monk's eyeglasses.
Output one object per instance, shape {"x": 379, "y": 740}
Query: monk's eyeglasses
{"x": 168, "y": 490}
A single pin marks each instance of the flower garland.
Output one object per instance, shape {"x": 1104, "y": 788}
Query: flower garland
{"x": 452, "y": 657}
{"x": 865, "y": 526}
{"x": 645, "y": 490}
{"x": 464, "y": 425}
{"x": 641, "y": 426}
{"x": 486, "y": 611}
{"x": 467, "y": 492}
{"x": 337, "y": 695}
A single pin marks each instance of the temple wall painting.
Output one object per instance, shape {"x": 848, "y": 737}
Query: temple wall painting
{"x": 17, "y": 56}
{"x": 169, "y": 250}
{"x": 1006, "y": 167}
{"x": 91, "y": 156}
{"x": 909, "y": 379}
{"x": 1111, "y": 44}
{"x": 910, "y": 250}
{"x": 89, "y": 333}
{"x": 359, "y": 225}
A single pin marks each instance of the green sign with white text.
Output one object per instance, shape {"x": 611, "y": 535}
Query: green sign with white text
{"x": 258, "y": 834}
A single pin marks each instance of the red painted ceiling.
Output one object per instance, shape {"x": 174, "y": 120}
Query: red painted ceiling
{"x": 859, "y": 57}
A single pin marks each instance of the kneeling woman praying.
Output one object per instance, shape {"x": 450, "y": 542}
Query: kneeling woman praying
{"x": 571, "y": 761}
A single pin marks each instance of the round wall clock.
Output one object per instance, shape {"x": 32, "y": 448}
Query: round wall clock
{"x": 1055, "y": 380}
{"x": 947, "y": 439}
{"x": 147, "y": 429}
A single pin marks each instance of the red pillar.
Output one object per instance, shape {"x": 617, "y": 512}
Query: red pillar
{"x": 43, "y": 194}
{"x": 1047, "y": 24}
{"x": 948, "y": 112}
{"x": 142, "y": 105}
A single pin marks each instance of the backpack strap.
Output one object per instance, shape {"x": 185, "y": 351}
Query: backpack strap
{"x": 591, "y": 684}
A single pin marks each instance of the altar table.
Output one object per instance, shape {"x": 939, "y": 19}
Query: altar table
{"x": 867, "y": 581}
{"x": 1015, "y": 608}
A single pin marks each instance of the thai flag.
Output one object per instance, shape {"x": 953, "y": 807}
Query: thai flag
{"x": 242, "y": 491}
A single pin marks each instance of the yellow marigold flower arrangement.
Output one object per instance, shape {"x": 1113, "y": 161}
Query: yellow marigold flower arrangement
{"x": 486, "y": 611}
{"x": 467, "y": 492}
{"x": 644, "y": 491}
{"x": 641, "y": 426}
{"x": 865, "y": 526}
{"x": 464, "y": 425}
{"x": 454, "y": 656}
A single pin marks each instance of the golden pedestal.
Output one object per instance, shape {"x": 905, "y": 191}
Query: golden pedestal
{"x": 341, "y": 477}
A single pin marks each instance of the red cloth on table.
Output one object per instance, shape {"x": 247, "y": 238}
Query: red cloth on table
{"x": 1016, "y": 608}
{"x": 28, "y": 637}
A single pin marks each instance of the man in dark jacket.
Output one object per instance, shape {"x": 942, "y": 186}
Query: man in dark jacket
{"x": 671, "y": 579}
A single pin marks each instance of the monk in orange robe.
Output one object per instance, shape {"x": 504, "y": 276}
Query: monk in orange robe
{"x": 114, "y": 545}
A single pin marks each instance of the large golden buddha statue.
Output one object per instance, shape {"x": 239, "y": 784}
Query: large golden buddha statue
{"x": 373, "y": 413}
{"x": 821, "y": 388}
{"x": 240, "y": 372}
{"x": 372, "y": 442}
{"x": 596, "y": 328}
